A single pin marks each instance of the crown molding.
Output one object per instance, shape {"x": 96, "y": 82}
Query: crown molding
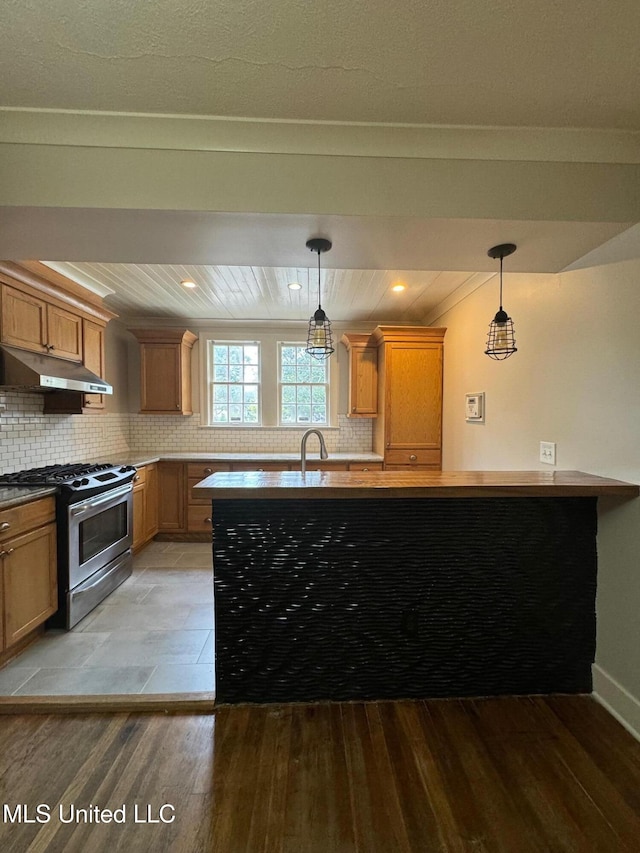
{"x": 355, "y": 139}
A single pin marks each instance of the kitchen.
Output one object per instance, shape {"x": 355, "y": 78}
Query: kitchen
{"x": 118, "y": 190}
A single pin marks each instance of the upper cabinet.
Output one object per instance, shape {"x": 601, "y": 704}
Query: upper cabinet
{"x": 408, "y": 429}
{"x": 363, "y": 375}
{"x": 93, "y": 357}
{"x": 165, "y": 370}
{"x": 45, "y": 312}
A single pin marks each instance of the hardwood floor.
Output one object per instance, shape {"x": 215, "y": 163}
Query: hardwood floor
{"x": 519, "y": 775}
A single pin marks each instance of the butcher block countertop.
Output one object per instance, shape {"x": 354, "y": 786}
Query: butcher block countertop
{"x": 269, "y": 485}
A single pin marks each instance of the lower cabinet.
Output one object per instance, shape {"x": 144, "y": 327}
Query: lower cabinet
{"x": 181, "y": 510}
{"x": 28, "y": 571}
{"x": 145, "y": 505}
{"x": 172, "y": 486}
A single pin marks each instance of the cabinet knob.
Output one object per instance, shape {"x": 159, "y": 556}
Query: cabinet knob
{"x": 353, "y": 409}
{"x": 5, "y": 525}
{"x": 365, "y": 469}
{"x": 136, "y": 478}
{"x": 208, "y": 470}
{"x": 413, "y": 458}
{"x": 8, "y": 551}
{"x": 259, "y": 469}
{"x": 208, "y": 519}
{"x": 177, "y": 405}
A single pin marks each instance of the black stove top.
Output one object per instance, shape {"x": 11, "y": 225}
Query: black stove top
{"x": 81, "y": 478}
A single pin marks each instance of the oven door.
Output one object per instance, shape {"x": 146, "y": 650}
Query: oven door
{"x": 100, "y": 529}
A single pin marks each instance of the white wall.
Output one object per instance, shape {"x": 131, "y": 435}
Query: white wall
{"x": 575, "y": 380}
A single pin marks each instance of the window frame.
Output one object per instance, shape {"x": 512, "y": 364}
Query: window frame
{"x": 281, "y": 385}
{"x": 210, "y": 380}
{"x": 268, "y": 341}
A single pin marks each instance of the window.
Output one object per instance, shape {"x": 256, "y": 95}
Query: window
{"x": 303, "y": 387}
{"x": 265, "y": 380}
{"x": 235, "y": 385}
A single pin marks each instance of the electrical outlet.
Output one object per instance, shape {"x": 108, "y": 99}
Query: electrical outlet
{"x": 548, "y": 452}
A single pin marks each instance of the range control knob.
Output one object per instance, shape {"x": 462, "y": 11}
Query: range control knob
{"x": 84, "y": 482}
{"x": 76, "y": 484}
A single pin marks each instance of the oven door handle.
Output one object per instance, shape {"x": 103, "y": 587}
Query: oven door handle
{"x": 106, "y": 497}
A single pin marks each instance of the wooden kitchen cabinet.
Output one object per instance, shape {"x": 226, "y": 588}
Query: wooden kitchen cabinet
{"x": 408, "y": 430}
{"x": 363, "y": 375}
{"x": 28, "y": 568}
{"x": 165, "y": 371}
{"x": 34, "y": 324}
{"x": 172, "y": 485}
{"x": 24, "y": 320}
{"x": 93, "y": 358}
{"x": 145, "y": 505}
{"x": 45, "y": 312}
{"x": 199, "y": 508}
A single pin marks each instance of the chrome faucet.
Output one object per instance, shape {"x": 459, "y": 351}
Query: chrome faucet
{"x": 303, "y": 448}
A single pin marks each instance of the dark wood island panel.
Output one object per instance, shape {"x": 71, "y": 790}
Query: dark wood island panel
{"x": 378, "y": 598}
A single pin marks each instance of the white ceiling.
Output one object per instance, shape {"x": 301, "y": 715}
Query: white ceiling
{"x": 510, "y": 63}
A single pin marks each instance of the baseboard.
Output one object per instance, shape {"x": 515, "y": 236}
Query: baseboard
{"x": 618, "y": 701}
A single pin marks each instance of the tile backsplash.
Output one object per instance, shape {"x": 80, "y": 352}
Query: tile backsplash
{"x": 29, "y": 439}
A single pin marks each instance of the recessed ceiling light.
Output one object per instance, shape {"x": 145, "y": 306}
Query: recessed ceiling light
{"x": 293, "y": 285}
{"x": 398, "y": 287}
{"x": 187, "y": 282}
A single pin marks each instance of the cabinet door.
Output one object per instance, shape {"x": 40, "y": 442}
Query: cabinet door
{"x": 413, "y": 406}
{"x": 24, "y": 320}
{"x": 172, "y": 489}
{"x": 138, "y": 515}
{"x": 161, "y": 379}
{"x": 64, "y": 333}
{"x": 363, "y": 382}
{"x": 30, "y": 581}
{"x": 151, "y": 502}
{"x": 93, "y": 358}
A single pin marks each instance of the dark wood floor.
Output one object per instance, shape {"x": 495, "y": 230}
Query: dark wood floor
{"x": 515, "y": 775}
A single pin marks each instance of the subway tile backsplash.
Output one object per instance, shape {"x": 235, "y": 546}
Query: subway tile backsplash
{"x": 29, "y": 439}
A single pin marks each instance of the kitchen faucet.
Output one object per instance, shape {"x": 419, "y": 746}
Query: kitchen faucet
{"x": 303, "y": 449}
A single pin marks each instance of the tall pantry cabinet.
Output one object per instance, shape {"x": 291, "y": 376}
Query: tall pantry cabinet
{"x": 408, "y": 429}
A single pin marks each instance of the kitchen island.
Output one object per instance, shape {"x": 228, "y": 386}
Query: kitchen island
{"x": 386, "y": 585}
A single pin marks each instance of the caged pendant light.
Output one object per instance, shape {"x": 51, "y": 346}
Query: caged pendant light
{"x": 501, "y": 342}
{"x": 319, "y": 337}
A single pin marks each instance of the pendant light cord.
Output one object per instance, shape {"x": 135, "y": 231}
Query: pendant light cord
{"x": 319, "y": 306}
{"x": 500, "y": 282}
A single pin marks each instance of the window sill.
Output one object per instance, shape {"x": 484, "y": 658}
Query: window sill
{"x": 244, "y": 427}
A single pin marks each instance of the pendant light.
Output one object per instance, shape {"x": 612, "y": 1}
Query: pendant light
{"x": 501, "y": 342}
{"x": 319, "y": 337}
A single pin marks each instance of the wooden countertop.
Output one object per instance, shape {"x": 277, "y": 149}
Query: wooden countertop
{"x": 266, "y": 485}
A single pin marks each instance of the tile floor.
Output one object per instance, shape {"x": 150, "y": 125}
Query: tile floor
{"x": 154, "y": 634}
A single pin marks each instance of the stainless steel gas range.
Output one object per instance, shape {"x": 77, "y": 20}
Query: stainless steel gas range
{"x": 94, "y": 531}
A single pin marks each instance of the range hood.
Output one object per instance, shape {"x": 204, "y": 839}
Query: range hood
{"x": 33, "y": 371}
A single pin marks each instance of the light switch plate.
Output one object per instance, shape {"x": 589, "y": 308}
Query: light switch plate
{"x": 548, "y": 452}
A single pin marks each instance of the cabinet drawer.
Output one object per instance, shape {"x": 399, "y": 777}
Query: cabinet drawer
{"x": 260, "y": 466}
{"x": 199, "y": 519}
{"x": 365, "y": 466}
{"x": 25, "y": 517}
{"x": 203, "y": 469}
{"x": 424, "y": 468}
{"x": 412, "y": 457}
{"x": 322, "y": 465}
{"x": 193, "y": 498}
